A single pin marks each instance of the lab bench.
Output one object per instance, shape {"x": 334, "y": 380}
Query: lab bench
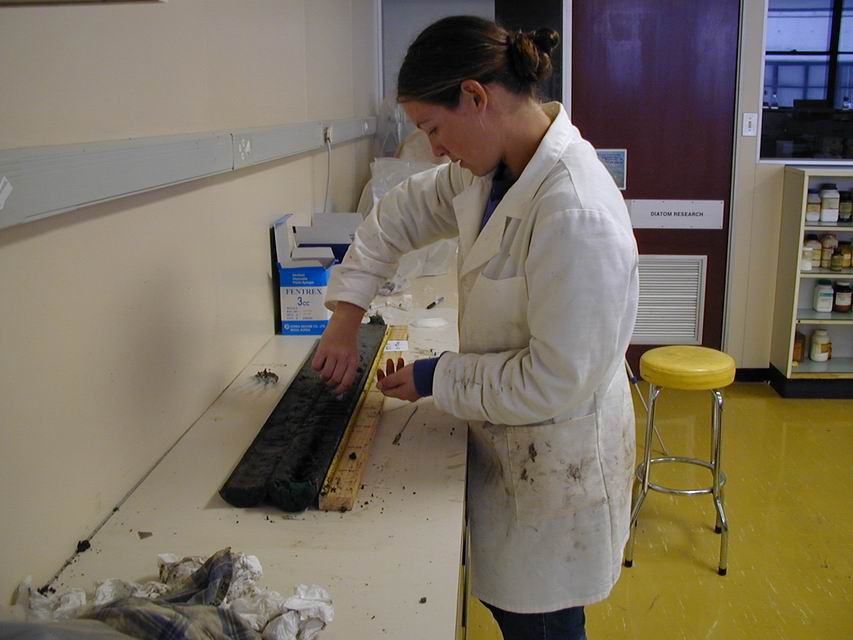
{"x": 400, "y": 544}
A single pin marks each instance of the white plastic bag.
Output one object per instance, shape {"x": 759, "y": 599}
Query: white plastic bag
{"x": 431, "y": 260}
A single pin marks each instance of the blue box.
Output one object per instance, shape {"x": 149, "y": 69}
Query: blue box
{"x": 303, "y": 276}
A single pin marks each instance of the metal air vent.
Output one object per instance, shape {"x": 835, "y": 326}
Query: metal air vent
{"x": 672, "y": 299}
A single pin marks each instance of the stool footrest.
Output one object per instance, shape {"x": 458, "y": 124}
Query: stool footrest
{"x": 680, "y": 460}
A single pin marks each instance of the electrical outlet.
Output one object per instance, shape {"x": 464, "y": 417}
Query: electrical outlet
{"x": 327, "y": 135}
{"x": 750, "y": 124}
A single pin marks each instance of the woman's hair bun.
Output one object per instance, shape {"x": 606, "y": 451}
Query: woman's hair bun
{"x": 530, "y": 53}
{"x": 459, "y": 48}
{"x": 546, "y": 39}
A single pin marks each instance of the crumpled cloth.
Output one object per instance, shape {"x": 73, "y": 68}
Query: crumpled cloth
{"x": 217, "y": 597}
{"x": 141, "y": 618}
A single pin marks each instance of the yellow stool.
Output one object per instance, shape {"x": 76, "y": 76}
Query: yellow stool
{"x": 689, "y": 369}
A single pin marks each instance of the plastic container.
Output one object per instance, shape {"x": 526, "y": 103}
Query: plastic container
{"x": 845, "y": 207}
{"x": 821, "y": 346}
{"x": 814, "y": 243}
{"x": 843, "y": 297}
{"x": 828, "y": 244}
{"x": 806, "y": 259}
{"x": 813, "y": 206}
{"x": 830, "y": 199}
{"x": 823, "y": 296}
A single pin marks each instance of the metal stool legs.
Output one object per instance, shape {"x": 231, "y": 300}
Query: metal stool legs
{"x": 642, "y": 483}
{"x": 722, "y": 525}
{"x": 639, "y": 497}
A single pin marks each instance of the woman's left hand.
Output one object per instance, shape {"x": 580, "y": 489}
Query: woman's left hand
{"x": 397, "y": 381}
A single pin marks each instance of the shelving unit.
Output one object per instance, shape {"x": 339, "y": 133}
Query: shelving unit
{"x": 794, "y": 288}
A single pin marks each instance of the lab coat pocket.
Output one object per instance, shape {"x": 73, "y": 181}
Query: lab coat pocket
{"x": 555, "y": 469}
{"x": 495, "y": 316}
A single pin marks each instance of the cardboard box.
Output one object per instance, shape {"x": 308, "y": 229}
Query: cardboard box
{"x": 335, "y": 236}
{"x": 303, "y": 276}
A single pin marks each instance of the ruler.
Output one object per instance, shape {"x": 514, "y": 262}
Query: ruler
{"x": 342, "y": 483}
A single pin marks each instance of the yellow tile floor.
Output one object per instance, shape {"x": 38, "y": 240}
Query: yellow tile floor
{"x": 789, "y": 499}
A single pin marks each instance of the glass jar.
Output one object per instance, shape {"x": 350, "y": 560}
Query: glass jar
{"x": 845, "y": 207}
{"x": 823, "y": 296}
{"x": 843, "y": 297}
{"x": 837, "y": 259}
{"x": 813, "y": 206}
{"x": 821, "y": 347}
{"x": 846, "y": 250}
{"x": 828, "y": 243}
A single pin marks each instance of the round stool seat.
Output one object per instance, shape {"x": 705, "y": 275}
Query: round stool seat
{"x": 688, "y": 368}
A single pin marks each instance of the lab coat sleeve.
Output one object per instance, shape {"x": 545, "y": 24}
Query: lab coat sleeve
{"x": 581, "y": 275}
{"x": 413, "y": 214}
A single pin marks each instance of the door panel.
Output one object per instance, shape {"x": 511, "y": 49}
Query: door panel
{"x": 658, "y": 77}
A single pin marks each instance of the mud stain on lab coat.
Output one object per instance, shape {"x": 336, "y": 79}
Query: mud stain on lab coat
{"x": 575, "y": 472}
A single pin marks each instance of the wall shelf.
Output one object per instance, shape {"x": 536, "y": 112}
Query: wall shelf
{"x": 828, "y": 226}
{"x": 826, "y": 274}
{"x": 836, "y": 368}
{"x": 792, "y": 311}
{"x": 810, "y": 316}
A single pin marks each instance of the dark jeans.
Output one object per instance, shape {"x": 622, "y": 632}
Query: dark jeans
{"x": 565, "y": 624}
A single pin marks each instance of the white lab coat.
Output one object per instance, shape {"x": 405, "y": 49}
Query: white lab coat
{"x": 547, "y": 302}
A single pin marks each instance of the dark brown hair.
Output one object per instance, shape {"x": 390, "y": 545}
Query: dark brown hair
{"x": 467, "y": 47}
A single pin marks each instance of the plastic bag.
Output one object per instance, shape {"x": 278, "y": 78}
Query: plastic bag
{"x": 431, "y": 260}
{"x": 392, "y": 128}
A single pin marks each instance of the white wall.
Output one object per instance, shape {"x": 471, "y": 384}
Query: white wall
{"x": 123, "y": 321}
{"x": 756, "y": 215}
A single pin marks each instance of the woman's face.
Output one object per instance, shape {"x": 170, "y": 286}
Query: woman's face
{"x": 461, "y": 133}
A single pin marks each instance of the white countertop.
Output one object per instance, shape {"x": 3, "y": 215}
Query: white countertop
{"x": 401, "y": 543}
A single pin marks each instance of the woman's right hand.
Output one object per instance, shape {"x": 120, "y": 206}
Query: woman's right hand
{"x": 337, "y": 354}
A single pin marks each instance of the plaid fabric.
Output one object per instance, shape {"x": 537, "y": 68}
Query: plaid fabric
{"x": 149, "y": 619}
{"x": 189, "y": 611}
{"x": 208, "y": 585}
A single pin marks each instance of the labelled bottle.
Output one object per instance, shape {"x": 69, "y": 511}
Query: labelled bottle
{"x": 837, "y": 262}
{"x": 799, "y": 347}
{"x": 817, "y": 249}
{"x": 845, "y": 207}
{"x": 823, "y": 296}
{"x": 846, "y": 250}
{"x": 813, "y": 206}
{"x": 843, "y": 297}
{"x": 829, "y": 243}
{"x": 830, "y": 199}
{"x": 806, "y": 259}
{"x": 821, "y": 346}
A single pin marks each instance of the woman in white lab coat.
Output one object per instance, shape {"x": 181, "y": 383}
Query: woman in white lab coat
{"x": 547, "y": 301}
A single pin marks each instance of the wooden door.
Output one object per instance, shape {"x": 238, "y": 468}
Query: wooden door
{"x": 658, "y": 77}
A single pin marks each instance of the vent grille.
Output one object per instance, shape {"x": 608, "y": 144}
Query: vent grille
{"x": 672, "y": 299}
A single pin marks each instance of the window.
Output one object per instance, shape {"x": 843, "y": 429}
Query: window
{"x": 808, "y": 79}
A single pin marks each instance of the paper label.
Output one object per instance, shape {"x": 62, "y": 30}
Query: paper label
{"x": 676, "y": 214}
{"x": 397, "y": 345}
